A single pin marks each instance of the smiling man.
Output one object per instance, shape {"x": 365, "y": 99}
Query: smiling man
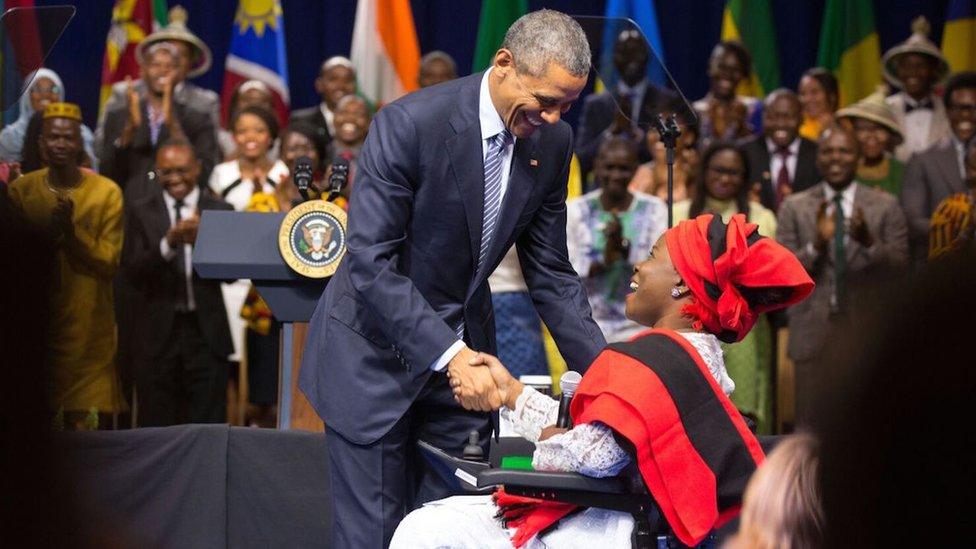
{"x": 185, "y": 338}
{"x": 82, "y": 211}
{"x": 851, "y": 238}
{"x": 450, "y": 177}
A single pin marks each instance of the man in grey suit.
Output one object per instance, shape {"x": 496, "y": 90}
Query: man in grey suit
{"x": 450, "y": 178}
{"x": 848, "y": 236}
{"x": 937, "y": 173}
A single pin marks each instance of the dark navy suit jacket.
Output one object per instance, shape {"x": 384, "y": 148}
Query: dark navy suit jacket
{"x": 409, "y": 276}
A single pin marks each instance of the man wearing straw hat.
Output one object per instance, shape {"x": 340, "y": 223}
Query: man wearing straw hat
{"x": 196, "y": 60}
{"x": 915, "y": 66}
{"x": 878, "y": 133}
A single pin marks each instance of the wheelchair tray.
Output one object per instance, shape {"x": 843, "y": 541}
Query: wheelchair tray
{"x": 460, "y": 474}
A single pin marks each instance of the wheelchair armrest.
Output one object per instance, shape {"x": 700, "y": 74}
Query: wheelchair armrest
{"x": 608, "y": 493}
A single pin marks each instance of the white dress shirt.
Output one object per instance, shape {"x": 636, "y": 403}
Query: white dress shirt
{"x": 917, "y": 125}
{"x": 187, "y": 211}
{"x": 776, "y": 161}
{"x": 636, "y": 94}
{"x": 329, "y": 117}
{"x": 491, "y": 125}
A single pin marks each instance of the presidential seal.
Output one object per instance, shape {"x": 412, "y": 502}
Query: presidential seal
{"x": 312, "y": 238}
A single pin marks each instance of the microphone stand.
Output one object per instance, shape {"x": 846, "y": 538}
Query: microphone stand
{"x": 669, "y": 132}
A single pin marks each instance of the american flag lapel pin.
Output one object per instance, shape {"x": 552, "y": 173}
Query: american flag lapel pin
{"x": 533, "y": 162}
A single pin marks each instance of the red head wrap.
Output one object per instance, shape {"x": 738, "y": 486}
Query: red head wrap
{"x": 719, "y": 263}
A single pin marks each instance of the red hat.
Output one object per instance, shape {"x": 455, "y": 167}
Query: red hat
{"x": 734, "y": 274}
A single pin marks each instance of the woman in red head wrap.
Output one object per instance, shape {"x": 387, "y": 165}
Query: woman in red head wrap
{"x": 656, "y": 402}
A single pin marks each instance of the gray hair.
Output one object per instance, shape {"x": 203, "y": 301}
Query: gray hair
{"x": 544, "y": 36}
{"x": 336, "y": 61}
{"x": 779, "y": 93}
{"x": 438, "y": 55}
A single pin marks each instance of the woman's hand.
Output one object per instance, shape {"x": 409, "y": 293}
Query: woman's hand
{"x": 551, "y": 431}
{"x": 508, "y": 387}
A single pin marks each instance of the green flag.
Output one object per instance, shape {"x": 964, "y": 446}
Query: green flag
{"x": 751, "y": 22}
{"x": 496, "y": 17}
{"x": 849, "y": 48}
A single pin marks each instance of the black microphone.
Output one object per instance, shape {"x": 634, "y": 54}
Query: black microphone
{"x": 340, "y": 174}
{"x": 303, "y": 175}
{"x": 567, "y": 385}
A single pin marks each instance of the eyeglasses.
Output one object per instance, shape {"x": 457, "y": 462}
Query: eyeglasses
{"x": 52, "y": 89}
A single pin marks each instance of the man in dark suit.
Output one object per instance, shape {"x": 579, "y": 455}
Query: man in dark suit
{"x": 937, "y": 173}
{"x": 337, "y": 79}
{"x": 635, "y": 102}
{"x": 780, "y": 161}
{"x": 852, "y": 239}
{"x": 443, "y": 192}
{"x": 133, "y": 130}
{"x": 183, "y": 323}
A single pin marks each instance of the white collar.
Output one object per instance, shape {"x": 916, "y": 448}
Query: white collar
{"x": 847, "y": 195}
{"x": 491, "y": 122}
{"x": 637, "y": 89}
{"x": 190, "y": 201}
{"x": 794, "y": 146}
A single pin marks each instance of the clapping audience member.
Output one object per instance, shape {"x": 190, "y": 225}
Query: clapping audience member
{"x": 250, "y": 93}
{"x": 937, "y": 173}
{"x": 850, "y": 238}
{"x": 819, "y": 98}
{"x": 723, "y": 114}
{"x": 782, "y": 506}
{"x": 652, "y": 176}
{"x": 954, "y": 220}
{"x": 878, "y": 133}
{"x": 915, "y": 66}
{"x": 19, "y": 140}
{"x": 194, "y": 60}
{"x": 134, "y": 128}
{"x": 236, "y": 181}
{"x": 337, "y": 79}
{"x": 186, "y": 337}
{"x": 610, "y": 230}
{"x": 436, "y": 67}
{"x": 631, "y": 105}
{"x": 723, "y": 191}
{"x": 351, "y": 124}
{"x": 781, "y": 162}
{"x": 82, "y": 211}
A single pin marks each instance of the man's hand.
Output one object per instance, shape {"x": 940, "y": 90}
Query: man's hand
{"x": 825, "y": 228}
{"x": 859, "y": 229}
{"x": 509, "y": 388}
{"x": 188, "y": 229}
{"x": 615, "y": 250}
{"x": 473, "y": 386}
{"x": 174, "y": 237}
{"x": 61, "y": 218}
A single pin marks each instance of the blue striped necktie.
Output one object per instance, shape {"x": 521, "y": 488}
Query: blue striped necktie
{"x": 493, "y": 197}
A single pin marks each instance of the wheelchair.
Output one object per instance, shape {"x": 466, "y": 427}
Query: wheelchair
{"x": 625, "y": 493}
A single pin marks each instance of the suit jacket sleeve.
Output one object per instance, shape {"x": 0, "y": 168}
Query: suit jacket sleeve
{"x": 556, "y": 289}
{"x": 141, "y": 257}
{"x": 379, "y": 213}
{"x": 201, "y": 132}
{"x": 788, "y": 234}
{"x": 891, "y": 244}
{"x": 112, "y": 160}
{"x": 915, "y": 202}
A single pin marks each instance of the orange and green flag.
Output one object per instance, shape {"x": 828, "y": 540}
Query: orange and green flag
{"x": 849, "y": 48}
{"x": 959, "y": 36}
{"x": 496, "y": 17}
{"x": 751, "y": 22}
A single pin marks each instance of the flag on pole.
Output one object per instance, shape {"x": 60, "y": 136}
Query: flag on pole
{"x": 751, "y": 22}
{"x": 496, "y": 17}
{"x": 132, "y": 21}
{"x": 385, "y": 51}
{"x": 959, "y": 36}
{"x": 644, "y": 14}
{"x": 257, "y": 52}
{"x": 849, "y": 48}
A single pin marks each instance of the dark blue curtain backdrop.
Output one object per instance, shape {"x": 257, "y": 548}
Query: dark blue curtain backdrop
{"x": 317, "y": 29}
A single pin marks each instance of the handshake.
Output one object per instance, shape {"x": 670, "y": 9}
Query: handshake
{"x": 481, "y": 382}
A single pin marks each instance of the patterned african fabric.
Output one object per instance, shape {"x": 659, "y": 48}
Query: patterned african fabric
{"x": 951, "y": 225}
{"x": 518, "y": 332}
{"x": 642, "y": 223}
{"x": 82, "y": 336}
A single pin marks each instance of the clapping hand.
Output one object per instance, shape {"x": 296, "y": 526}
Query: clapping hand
{"x": 188, "y": 228}
{"x": 859, "y": 229}
{"x": 134, "y": 120}
{"x": 617, "y": 247}
{"x": 473, "y": 385}
{"x": 61, "y": 218}
{"x": 825, "y": 228}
